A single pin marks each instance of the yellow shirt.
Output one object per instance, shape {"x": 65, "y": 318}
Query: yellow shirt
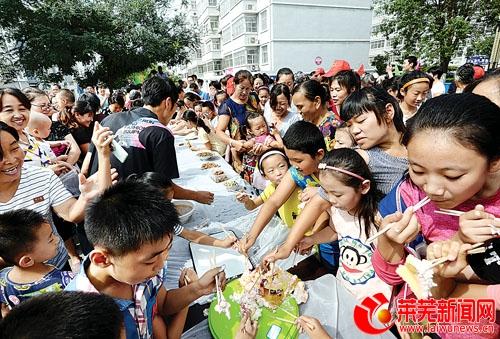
{"x": 290, "y": 210}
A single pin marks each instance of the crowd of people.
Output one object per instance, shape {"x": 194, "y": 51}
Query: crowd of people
{"x": 338, "y": 155}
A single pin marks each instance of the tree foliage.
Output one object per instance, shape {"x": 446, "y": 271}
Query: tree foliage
{"x": 436, "y": 30}
{"x": 380, "y": 62}
{"x": 108, "y": 39}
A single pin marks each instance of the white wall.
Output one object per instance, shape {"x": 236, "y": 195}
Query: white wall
{"x": 302, "y": 31}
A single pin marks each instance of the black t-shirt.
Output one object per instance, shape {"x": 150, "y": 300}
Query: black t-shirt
{"x": 82, "y": 135}
{"x": 58, "y": 131}
{"x": 149, "y": 144}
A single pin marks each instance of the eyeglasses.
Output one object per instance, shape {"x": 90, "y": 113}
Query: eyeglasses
{"x": 44, "y": 106}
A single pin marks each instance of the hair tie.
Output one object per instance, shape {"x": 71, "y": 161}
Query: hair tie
{"x": 323, "y": 166}
{"x": 415, "y": 81}
{"x": 268, "y": 154}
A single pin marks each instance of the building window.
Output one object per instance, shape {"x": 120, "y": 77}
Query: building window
{"x": 226, "y": 35}
{"x": 238, "y": 27}
{"x": 198, "y": 53}
{"x": 214, "y": 24}
{"x": 224, "y": 7}
{"x": 252, "y": 56}
{"x": 217, "y": 65}
{"x": 251, "y": 23}
{"x": 377, "y": 44}
{"x": 263, "y": 20}
{"x": 264, "y": 54}
{"x": 216, "y": 44}
{"x": 227, "y": 61}
{"x": 212, "y": 3}
{"x": 239, "y": 58}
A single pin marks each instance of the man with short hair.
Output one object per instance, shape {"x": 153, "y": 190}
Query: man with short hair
{"x": 410, "y": 63}
{"x": 192, "y": 79}
{"x": 142, "y": 132}
{"x": 54, "y": 89}
{"x": 196, "y": 89}
{"x": 161, "y": 74}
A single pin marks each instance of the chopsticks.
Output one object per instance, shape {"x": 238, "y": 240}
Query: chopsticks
{"x": 213, "y": 263}
{"x": 294, "y": 321}
{"x": 286, "y": 320}
{"x": 455, "y": 213}
{"x": 476, "y": 248}
{"x": 288, "y": 312}
{"x": 416, "y": 207}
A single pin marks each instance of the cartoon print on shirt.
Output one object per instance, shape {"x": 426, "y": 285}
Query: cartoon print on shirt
{"x": 351, "y": 259}
{"x": 355, "y": 261}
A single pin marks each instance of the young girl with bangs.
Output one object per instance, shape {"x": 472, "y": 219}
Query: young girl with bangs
{"x": 454, "y": 153}
{"x": 375, "y": 121}
{"x": 352, "y": 195}
{"x": 413, "y": 90}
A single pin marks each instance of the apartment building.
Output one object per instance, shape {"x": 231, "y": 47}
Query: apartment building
{"x": 265, "y": 35}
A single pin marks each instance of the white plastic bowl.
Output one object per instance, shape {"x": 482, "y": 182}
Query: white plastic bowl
{"x": 206, "y": 155}
{"x": 185, "y": 209}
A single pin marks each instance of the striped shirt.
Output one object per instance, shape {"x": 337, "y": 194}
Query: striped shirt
{"x": 39, "y": 190}
{"x": 178, "y": 229}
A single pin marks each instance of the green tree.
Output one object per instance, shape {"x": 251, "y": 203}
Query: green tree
{"x": 436, "y": 29}
{"x": 482, "y": 46}
{"x": 380, "y": 62}
{"x": 9, "y": 66}
{"x": 95, "y": 40}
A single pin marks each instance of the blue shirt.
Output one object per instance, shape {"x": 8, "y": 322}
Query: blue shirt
{"x": 137, "y": 312}
{"x": 329, "y": 252}
{"x": 233, "y": 109}
{"x": 303, "y": 181}
{"x": 13, "y": 293}
{"x": 204, "y": 96}
{"x": 392, "y": 203}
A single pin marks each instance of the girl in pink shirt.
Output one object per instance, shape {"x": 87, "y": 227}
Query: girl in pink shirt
{"x": 453, "y": 148}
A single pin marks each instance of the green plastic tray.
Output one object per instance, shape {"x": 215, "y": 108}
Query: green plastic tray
{"x": 224, "y": 328}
